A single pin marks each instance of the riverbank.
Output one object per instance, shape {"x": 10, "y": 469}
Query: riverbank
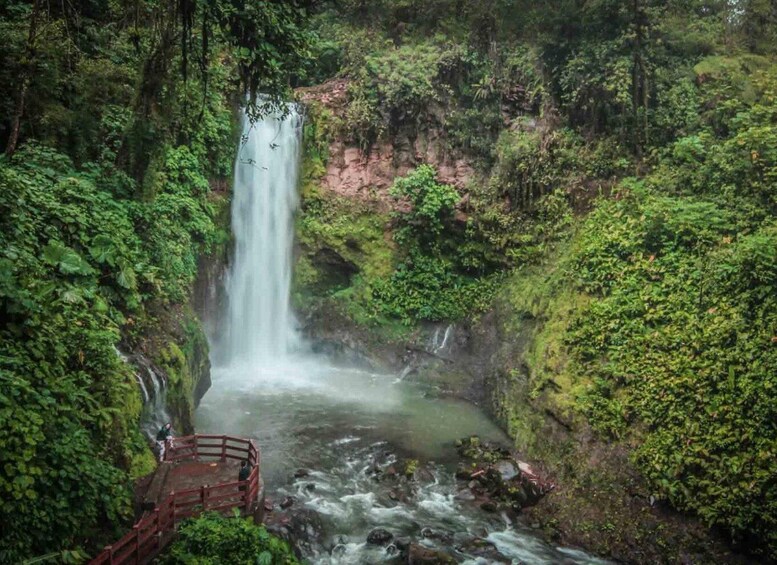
{"x": 600, "y": 501}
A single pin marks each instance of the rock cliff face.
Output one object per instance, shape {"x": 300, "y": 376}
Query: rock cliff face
{"x": 173, "y": 356}
{"x": 173, "y": 369}
{"x": 367, "y": 175}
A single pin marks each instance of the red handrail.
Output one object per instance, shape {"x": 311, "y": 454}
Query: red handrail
{"x": 155, "y": 530}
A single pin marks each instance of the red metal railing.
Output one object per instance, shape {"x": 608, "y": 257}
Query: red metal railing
{"x": 155, "y": 530}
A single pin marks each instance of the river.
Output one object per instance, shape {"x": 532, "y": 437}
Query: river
{"x": 337, "y": 423}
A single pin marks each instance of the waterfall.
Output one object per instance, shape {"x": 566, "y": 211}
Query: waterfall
{"x": 260, "y": 325}
{"x": 153, "y": 390}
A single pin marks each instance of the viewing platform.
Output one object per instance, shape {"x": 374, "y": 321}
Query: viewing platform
{"x": 199, "y": 474}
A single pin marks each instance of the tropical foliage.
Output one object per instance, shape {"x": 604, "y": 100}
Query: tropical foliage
{"x": 114, "y": 121}
{"x": 213, "y": 538}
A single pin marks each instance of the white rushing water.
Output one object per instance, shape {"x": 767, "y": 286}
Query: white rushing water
{"x": 260, "y": 326}
{"x": 336, "y": 422}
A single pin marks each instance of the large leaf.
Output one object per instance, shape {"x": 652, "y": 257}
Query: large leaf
{"x": 68, "y": 261}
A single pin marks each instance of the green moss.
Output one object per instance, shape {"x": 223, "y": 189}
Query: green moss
{"x": 142, "y": 463}
{"x": 184, "y": 361}
{"x": 344, "y": 248}
{"x": 173, "y": 361}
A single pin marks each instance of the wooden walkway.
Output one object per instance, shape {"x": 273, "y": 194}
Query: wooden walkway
{"x": 199, "y": 474}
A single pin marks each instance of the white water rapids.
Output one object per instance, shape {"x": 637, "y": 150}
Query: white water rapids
{"x": 338, "y": 423}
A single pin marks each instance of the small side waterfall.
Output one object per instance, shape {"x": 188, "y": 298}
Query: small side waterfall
{"x": 260, "y": 325}
{"x": 440, "y": 341}
{"x": 153, "y": 390}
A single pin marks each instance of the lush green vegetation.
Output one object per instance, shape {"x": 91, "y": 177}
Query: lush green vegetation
{"x": 214, "y": 539}
{"x": 623, "y": 201}
{"x": 431, "y": 281}
{"x": 681, "y": 336}
{"x": 625, "y": 151}
{"x": 114, "y": 121}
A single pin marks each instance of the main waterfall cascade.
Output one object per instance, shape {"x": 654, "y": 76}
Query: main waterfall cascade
{"x": 260, "y": 326}
{"x": 337, "y": 423}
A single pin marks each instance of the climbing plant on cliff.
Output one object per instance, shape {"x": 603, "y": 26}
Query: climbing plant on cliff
{"x": 429, "y": 282}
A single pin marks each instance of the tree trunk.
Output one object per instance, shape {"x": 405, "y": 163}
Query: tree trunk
{"x": 639, "y": 89}
{"x": 16, "y": 123}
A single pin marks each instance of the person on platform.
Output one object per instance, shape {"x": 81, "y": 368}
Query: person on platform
{"x": 164, "y": 438}
{"x": 245, "y": 472}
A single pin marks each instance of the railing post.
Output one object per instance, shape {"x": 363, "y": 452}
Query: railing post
{"x": 249, "y": 487}
{"x": 204, "y": 497}
{"x": 159, "y": 527}
{"x": 109, "y": 549}
{"x": 136, "y": 530}
{"x": 223, "y": 448}
{"x": 172, "y": 509}
{"x": 196, "y": 448}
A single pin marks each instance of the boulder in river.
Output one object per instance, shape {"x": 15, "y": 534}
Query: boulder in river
{"x": 287, "y": 502}
{"x": 379, "y": 536}
{"x": 488, "y": 506}
{"x": 465, "y": 494}
{"x": 301, "y": 528}
{"x": 495, "y": 475}
{"x": 508, "y": 469}
{"x": 441, "y": 536}
{"x": 420, "y": 555}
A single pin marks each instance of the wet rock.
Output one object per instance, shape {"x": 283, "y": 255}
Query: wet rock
{"x": 300, "y": 527}
{"x": 465, "y": 494}
{"x": 507, "y": 469}
{"x": 488, "y": 506}
{"x": 287, "y": 502}
{"x": 443, "y": 537}
{"x": 268, "y": 505}
{"x": 420, "y": 555}
{"x": 339, "y": 550}
{"x": 424, "y": 475}
{"x": 491, "y": 480}
{"x": 379, "y": 536}
{"x": 310, "y": 486}
{"x": 482, "y": 550}
{"x": 392, "y": 549}
{"x": 402, "y": 543}
{"x": 301, "y": 473}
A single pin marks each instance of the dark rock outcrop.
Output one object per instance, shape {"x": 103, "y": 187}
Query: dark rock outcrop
{"x": 379, "y": 536}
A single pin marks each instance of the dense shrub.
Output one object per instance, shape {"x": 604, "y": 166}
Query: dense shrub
{"x": 680, "y": 340}
{"x": 212, "y": 539}
{"x": 68, "y": 408}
